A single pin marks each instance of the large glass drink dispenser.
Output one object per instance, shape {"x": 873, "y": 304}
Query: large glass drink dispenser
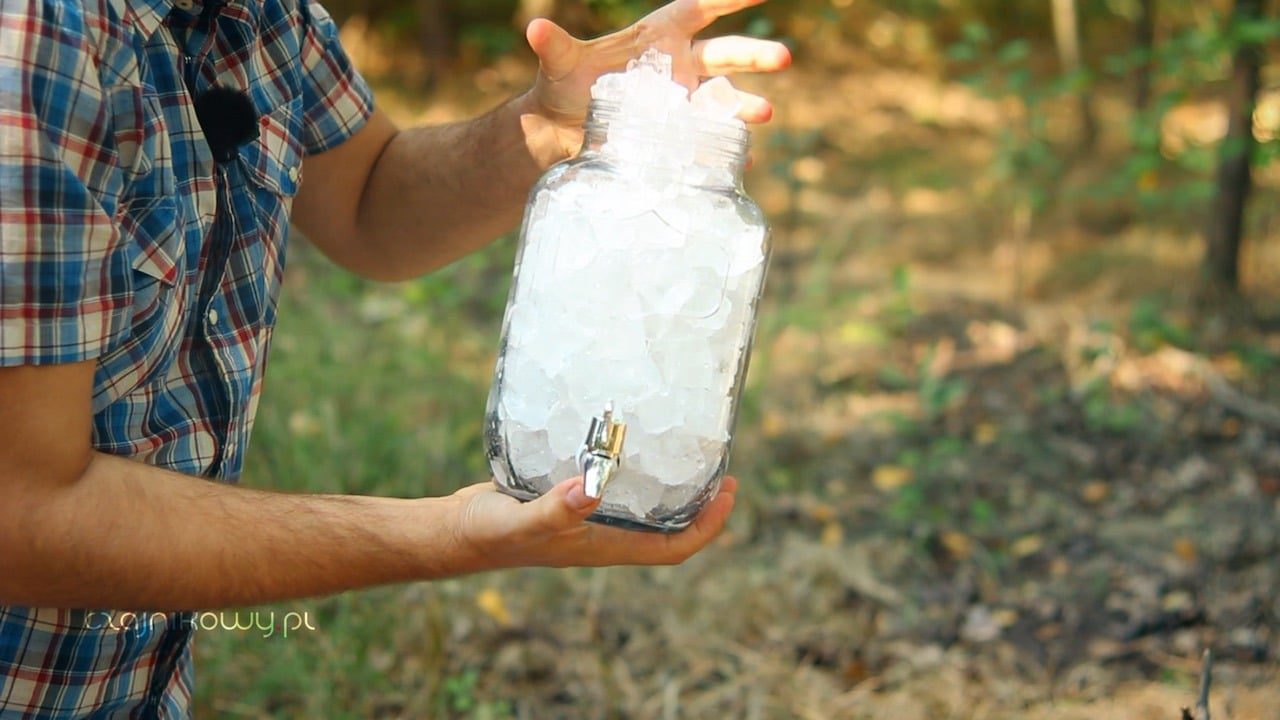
{"x": 627, "y": 332}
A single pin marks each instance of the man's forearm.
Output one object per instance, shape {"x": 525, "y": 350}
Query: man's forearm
{"x": 132, "y": 536}
{"x": 438, "y": 193}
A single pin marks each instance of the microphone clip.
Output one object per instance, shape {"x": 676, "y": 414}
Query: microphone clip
{"x": 228, "y": 119}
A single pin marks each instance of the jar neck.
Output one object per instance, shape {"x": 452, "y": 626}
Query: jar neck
{"x": 716, "y": 151}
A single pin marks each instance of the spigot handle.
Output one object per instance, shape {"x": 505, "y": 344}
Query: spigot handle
{"x": 601, "y": 454}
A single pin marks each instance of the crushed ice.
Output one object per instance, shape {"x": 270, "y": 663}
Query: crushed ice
{"x": 632, "y": 293}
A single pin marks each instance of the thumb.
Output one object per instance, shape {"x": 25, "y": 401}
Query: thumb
{"x": 561, "y": 508}
{"x": 558, "y": 51}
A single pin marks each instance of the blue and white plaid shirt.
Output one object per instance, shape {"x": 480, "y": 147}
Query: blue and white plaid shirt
{"x": 123, "y": 242}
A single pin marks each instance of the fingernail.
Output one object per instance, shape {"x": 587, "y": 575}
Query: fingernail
{"x": 578, "y": 499}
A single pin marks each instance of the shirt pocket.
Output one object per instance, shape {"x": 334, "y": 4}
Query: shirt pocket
{"x": 158, "y": 294}
{"x": 273, "y": 161}
{"x": 137, "y": 120}
{"x": 272, "y": 165}
{"x": 158, "y": 299}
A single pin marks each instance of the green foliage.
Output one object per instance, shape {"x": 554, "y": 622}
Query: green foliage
{"x": 1150, "y": 327}
{"x": 492, "y": 41}
{"x": 938, "y": 393}
{"x": 1107, "y": 413}
{"x": 899, "y": 310}
{"x": 458, "y": 695}
{"x": 1193, "y": 54}
{"x": 929, "y": 503}
{"x": 619, "y": 12}
{"x": 1256, "y": 359}
{"x": 1026, "y": 163}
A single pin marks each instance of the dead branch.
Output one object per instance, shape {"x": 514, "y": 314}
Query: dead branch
{"x": 1202, "y": 704}
{"x": 1226, "y": 395}
{"x": 1237, "y": 402}
{"x": 1206, "y": 673}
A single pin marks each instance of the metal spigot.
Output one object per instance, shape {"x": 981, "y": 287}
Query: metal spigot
{"x": 601, "y": 454}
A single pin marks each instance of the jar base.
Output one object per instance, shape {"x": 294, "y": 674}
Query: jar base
{"x": 666, "y": 528}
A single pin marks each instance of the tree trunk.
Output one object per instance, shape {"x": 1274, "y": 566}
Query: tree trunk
{"x": 1066, "y": 35}
{"x": 1144, "y": 37}
{"x": 1225, "y": 227}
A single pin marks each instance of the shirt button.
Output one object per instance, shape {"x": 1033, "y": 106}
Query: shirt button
{"x": 184, "y": 4}
{"x": 213, "y": 316}
{"x": 293, "y": 174}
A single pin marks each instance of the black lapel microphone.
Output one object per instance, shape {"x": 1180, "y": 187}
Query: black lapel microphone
{"x": 228, "y": 119}
{"x": 226, "y": 115}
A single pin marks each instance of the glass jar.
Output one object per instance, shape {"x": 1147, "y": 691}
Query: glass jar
{"x": 629, "y": 324}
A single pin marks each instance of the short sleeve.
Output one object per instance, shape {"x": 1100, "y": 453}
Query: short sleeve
{"x": 65, "y": 280}
{"x": 336, "y": 99}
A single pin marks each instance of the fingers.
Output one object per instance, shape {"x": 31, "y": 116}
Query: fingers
{"x": 558, "y": 52}
{"x": 754, "y": 109}
{"x": 734, "y": 53}
{"x": 694, "y": 15}
{"x": 705, "y": 528}
{"x": 614, "y": 546}
{"x": 682, "y": 545}
{"x": 562, "y": 507}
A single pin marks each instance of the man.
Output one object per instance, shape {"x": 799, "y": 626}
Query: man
{"x": 140, "y": 262}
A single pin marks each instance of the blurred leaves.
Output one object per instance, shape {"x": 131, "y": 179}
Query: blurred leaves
{"x": 492, "y": 603}
{"x": 888, "y": 478}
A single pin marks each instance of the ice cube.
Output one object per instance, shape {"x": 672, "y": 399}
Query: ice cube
{"x": 634, "y": 378}
{"x": 707, "y": 292}
{"x": 680, "y": 460}
{"x": 641, "y": 450}
{"x": 609, "y": 87}
{"x": 565, "y": 468}
{"x": 716, "y": 99}
{"x": 717, "y": 320}
{"x": 638, "y": 493}
{"x": 679, "y": 221}
{"x": 747, "y": 252}
{"x": 530, "y": 454}
{"x": 659, "y": 413}
{"x": 574, "y": 249}
{"x": 566, "y": 431}
{"x": 527, "y": 395}
{"x": 668, "y": 298}
{"x": 652, "y": 59}
{"x": 706, "y": 414}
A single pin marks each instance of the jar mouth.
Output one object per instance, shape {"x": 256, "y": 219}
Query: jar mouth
{"x": 605, "y": 110}
{"x": 727, "y": 141}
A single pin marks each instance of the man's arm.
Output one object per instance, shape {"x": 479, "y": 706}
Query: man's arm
{"x": 392, "y": 204}
{"x": 83, "y": 529}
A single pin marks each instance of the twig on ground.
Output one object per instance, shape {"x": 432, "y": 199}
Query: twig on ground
{"x": 1226, "y": 395}
{"x": 1202, "y": 704}
{"x": 1239, "y": 403}
{"x": 1206, "y": 676}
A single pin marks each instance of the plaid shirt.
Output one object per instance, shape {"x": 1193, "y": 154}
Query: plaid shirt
{"x": 123, "y": 242}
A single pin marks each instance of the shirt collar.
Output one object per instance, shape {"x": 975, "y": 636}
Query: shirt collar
{"x": 149, "y": 14}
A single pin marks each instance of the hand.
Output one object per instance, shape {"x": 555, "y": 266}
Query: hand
{"x": 569, "y": 66}
{"x": 499, "y": 531}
